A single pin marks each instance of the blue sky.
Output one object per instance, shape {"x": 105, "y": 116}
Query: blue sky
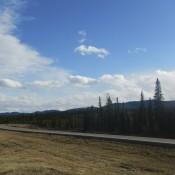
{"x": 115, "y": 25}
{"x": 61, "y": 54}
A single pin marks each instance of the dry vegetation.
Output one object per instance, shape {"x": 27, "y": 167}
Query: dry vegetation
{"x": 36, "y": 154}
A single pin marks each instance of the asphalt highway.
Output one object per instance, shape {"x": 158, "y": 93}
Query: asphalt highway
{"x": 119, "y": 138}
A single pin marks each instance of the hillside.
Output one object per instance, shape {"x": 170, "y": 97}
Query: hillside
{"x": 129, "y": 105}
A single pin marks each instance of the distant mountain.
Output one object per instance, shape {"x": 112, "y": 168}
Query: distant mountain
{"x": 10, "y": 113}
{"x": 169, "y": 104}
{"x": 129, "y": 105}
{"x": 22, "y": 113}
{"x": 81, "y": 109}
{"x": 47, "y": 111}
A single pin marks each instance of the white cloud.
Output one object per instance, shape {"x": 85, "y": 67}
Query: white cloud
{"x": 9, "y": 16}
{"x": 6, "y": 19}
{"x": 91, "y": 50}
{"x": 128, "y": 87}
{"x": 21, "y": 63}
{"x": 10, "y": 83}
{"x": 81, "y": 80}
{"x": 138, "y": 50}
{"x": 83, "y": 35}
{"x": 46, "y": 84}
{"x": 16, "y": 57}
{"x": 29, "y": 76}
{"x": 117, "y": 78}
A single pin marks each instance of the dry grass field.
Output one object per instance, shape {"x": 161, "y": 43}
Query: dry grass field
{"x": 37, "y": 154}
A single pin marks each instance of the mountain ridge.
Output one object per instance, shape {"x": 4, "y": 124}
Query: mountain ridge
{"x": 130, "y": 105}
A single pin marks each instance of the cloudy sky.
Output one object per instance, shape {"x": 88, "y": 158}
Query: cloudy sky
{"x": 64, "y": 54}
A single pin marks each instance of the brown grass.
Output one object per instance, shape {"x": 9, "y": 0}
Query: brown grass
{"x": 37, "y": 154}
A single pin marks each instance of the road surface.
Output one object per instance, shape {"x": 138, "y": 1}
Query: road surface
{"x": 120, "y": 138}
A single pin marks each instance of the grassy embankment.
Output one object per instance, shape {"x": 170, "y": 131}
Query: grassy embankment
{"x": 36, "y": 154}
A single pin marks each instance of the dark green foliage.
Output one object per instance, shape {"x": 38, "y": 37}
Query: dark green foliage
{"x": 100, "y": 116}
{"x": 158, "y": 106}
{"x": 158, "y": 96}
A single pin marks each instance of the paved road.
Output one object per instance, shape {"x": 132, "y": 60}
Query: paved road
{"x": 121, "y": 138}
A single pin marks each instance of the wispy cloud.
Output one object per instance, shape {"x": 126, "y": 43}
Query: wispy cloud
{"x": 8, "y": 83}
{"x": 137, "y": 50}
{"x": 46, "y": 84}
{"x": 81, "y": 80}
{"x": 83, "y": 35}
{"x": 9, "y": 16}
{"x": 92, "y": 50}
{"x": 16, "y": 58}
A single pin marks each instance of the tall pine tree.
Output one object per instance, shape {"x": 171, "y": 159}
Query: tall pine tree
{"x": 158, "y": 96}
{"x": 158, "y": 106}
{"x": 150, "y": 119}
{"x": 142, "y": 115}
{"x": 100, "y": 120}
{"x": 109, "y": 114}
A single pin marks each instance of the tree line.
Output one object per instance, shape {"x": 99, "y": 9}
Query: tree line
{"x": 150, "y": 118}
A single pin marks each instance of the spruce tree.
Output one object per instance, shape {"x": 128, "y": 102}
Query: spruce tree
{"x": 158, "y": 96}
{"x": 141, "y": 117}
{"x": 108, "y": 101}
{"x": 109, "y": 113}
{"x": 158, "y": 106}
{"x": 117, "y": 106}
{"x": 100, "y": 115}
{"x": 116, "y": 112}
{"x": 150, "y": 121}
{"x": 99, "y": 105}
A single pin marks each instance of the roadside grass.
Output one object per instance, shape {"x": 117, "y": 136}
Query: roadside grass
{"x": 40, "y": 154}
